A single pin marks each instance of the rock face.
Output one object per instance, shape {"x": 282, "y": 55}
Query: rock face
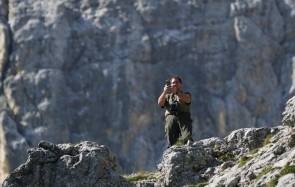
{"x": 84, "y": 164}
{"x": 93, "y": 69}
{"x": 247, "y": 157}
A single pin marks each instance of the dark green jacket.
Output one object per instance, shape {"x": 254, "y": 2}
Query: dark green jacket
{"x": 172, "y": 99}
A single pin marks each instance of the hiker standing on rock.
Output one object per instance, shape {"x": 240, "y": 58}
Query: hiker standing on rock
{"x": 178, "y": 123}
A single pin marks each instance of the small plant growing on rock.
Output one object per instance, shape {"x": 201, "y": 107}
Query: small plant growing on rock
{"x": 286, "y": 170}
{"x": 226, "y": 156}
{"x": 264, "y": 171}
{"x": 201, "y": 183}
{"x": 273, "y": 182}
{"x": 141, "y": 175}
{"x": 254, "y": 151}
{"x": 244, "y": 160}
{"x": 267, "y": 140}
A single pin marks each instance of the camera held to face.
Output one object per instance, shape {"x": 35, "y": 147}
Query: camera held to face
{"x": 167, "y": 82}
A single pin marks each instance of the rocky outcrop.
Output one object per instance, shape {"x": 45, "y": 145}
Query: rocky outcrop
{"x": 289, "y": 113}
{"x": 92, "y": 69}
{"x": 247, "y": 157}
{"x": 83, "y": 164}
{"x": 263, "y": 157}
{"x": 12, "y": 145}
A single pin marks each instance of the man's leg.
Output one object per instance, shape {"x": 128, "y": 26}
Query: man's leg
{"x": 172, "y": 129}
{"x": 185, "y": 129}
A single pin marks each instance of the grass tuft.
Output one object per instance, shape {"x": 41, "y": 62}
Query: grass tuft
{"x": 264, "y": 171}
{"x": 286, "y": 170}
{"x": 244, "y": 160}
{"x": 254, "y": 151}
{"x": 201, "y": 183}
{"x": 273, "y": 182}
{"x": 267, "y": 140}
{"x": 141, "y": 175}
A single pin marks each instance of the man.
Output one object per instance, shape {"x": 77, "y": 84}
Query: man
{"x": 178, "y": 123}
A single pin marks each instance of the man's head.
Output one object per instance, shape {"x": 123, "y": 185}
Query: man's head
{"x": 176, "y": 84}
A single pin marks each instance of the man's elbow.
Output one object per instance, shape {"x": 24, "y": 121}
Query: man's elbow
{"x": 160, "y": 103}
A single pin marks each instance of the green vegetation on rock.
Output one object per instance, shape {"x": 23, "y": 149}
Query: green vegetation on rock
{"x": 244, "y": 160}
{"x": 141, "y": 175}
{"x": 226, "y": 157}
{"x": 201, "y": 183}
{"x": 267, "y": 140}
{"x": 273, "y": 182}
{"x": 286, "y": 170}
{"x": 264, "y": 171}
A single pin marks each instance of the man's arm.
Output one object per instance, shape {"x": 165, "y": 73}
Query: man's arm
{"x": 162, "y": 97}
{"x": 184, "y": 97}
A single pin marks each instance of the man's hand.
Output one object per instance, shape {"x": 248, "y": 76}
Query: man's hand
{"x": 184, "y": 97}
{"x": 161, "y": 99}
{"x": 167, "y": 89}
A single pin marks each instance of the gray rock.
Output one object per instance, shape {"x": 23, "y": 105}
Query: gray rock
{"x": 92, "y": 70}
{"x": 287, "y": 180}
{"x": 84, "y": 164}
{"x": 245, "y": 167}
{"x": 183, "y": 165}
{"x": 289, "y": 113}
{"x": 247, "y": 139}
{"x": 13, "y": 145}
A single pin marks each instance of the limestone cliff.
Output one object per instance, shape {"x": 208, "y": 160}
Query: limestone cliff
{"x": 93, "y": 69}
{"x": 247, "y": 157}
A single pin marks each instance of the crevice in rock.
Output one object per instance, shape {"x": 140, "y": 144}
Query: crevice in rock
{"x": 145, "y": 31}
{"x": 4, "y": 74}
{"x": 9, "y": 47}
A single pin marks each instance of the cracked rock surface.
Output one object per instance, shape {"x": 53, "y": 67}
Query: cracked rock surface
{"x": 83, "y": 164}
{"x": 93, "y": 69}
{"x": 246, "y": 157}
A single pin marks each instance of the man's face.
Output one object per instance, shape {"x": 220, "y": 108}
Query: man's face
{"x": 175, "y": 85}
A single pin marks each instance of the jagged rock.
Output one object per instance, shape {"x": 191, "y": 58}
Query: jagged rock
{"x": 182, "y": 164}
{"x": 92, "y": 69}
{"x": 243, "y": 140}
{"x": 247, "y": 157}
{"x": 289, "y": 113}
{"x": 252, "y": 160}
{"x": 12, "y": 145}
{"x": 4, "y": 47}
{"x": 83, "y": 164}
{"x": 287, "y": 180}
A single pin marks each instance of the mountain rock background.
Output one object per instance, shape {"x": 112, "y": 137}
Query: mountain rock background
{"x": 93, "y": 69}
{"x": 246, "y": 157}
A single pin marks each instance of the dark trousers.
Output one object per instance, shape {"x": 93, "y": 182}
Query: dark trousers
{"x": 178, "y": 128}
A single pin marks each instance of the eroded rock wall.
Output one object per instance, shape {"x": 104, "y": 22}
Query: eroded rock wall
{"x": 93, "y": 69}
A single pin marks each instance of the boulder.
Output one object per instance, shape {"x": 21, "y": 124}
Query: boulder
{"x": 83, "y": 164}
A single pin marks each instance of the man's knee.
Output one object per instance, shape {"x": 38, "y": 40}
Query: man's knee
{"x": 170, "y": 121}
